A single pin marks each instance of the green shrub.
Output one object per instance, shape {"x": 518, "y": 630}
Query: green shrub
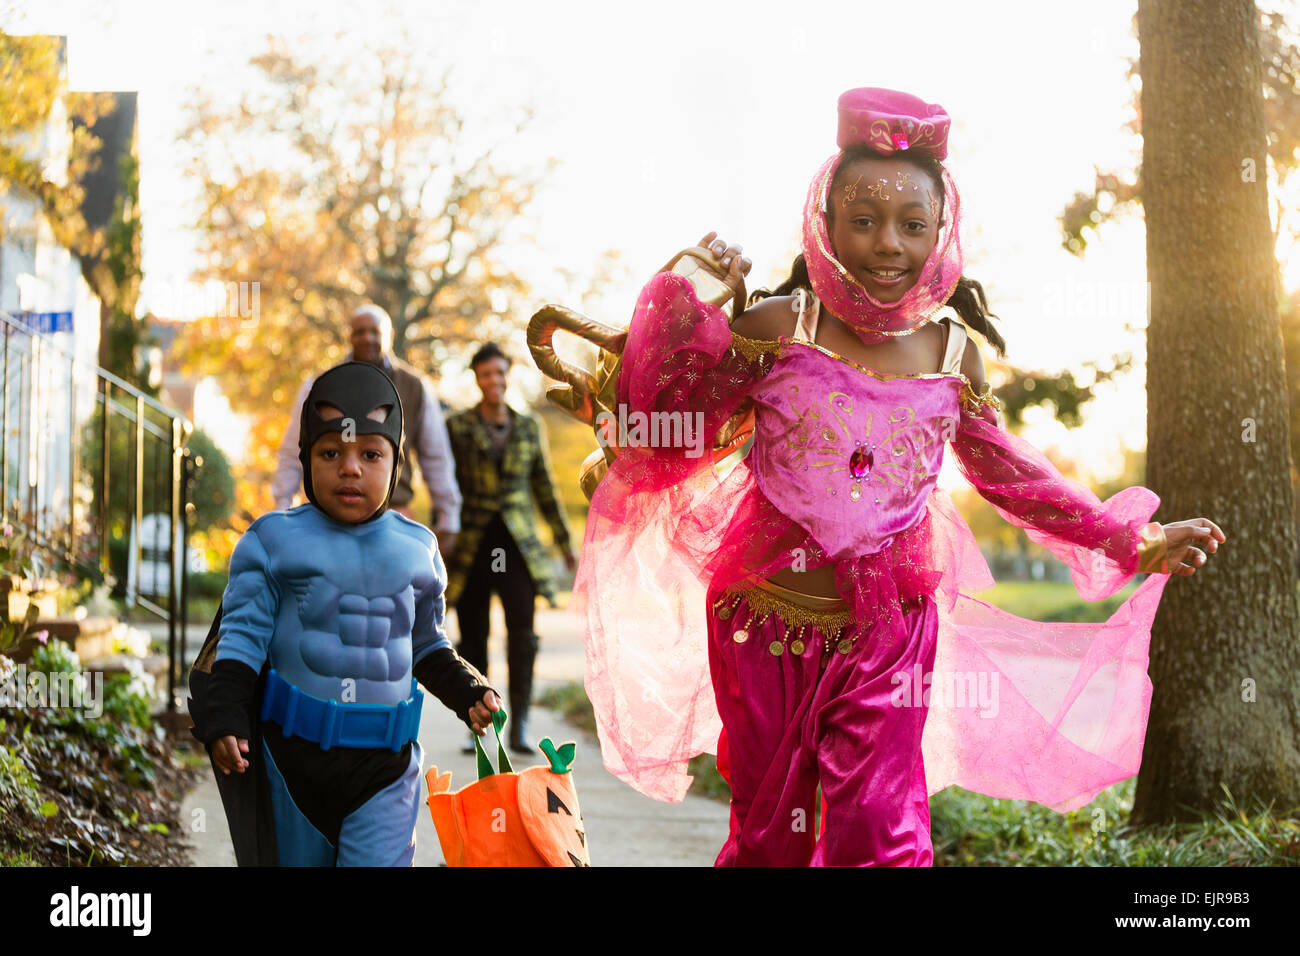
{"x": 201, "y": 612}
{"x": 17, "y": 784}
{"x": 128, "y": 696}
{"x": 55, "y": 657}
{"x": 124, "y": 699}
{"x": 207, "y": 584}
{"x": 570, "y": 702}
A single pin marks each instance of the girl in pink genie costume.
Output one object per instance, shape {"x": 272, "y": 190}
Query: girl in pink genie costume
{"x": 809, "y": 609}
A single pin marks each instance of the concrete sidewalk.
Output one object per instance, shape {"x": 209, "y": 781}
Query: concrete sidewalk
{"x": 623, "y": 827}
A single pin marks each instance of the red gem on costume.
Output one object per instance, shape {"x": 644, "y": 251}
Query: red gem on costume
{"x": 861, "y": 462}
{"x": 900, "y": 140}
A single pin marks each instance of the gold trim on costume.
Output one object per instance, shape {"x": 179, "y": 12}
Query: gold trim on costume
{"x": 883, "y": 376}
{"x": 206, "y": 659}
{"x": 798, "y": 612}
{"x": 765, "y": 599}
{"x": 752, "y": 349}
{"x": 1153, "y": 549}
{"x": 973, "y": 401}
{"x": 814, "y": 602}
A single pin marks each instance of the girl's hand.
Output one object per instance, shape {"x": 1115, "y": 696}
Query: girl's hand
{"x": 1185, "y": 541}
{"x": 227, "y": 754}
{"x": 737, "y": 266}
{"x": 480, "y": 715}
{"x": 729, "y": 256}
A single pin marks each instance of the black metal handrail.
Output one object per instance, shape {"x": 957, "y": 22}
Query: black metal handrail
{"x": 65, "y": 494}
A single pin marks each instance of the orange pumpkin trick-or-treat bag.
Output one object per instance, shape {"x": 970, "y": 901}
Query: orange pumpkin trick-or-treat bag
{"x": 507, "y": 818}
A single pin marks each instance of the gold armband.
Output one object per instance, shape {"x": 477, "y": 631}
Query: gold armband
{"x": 1153, "y": 549}
{"x": 973, "y": 401}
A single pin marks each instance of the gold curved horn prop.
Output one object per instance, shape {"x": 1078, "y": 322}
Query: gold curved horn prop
{"x": 580, "y": 392}
{"x": 585, "y": 395}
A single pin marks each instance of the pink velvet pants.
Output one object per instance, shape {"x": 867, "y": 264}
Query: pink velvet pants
{"x": 788, "y": 723}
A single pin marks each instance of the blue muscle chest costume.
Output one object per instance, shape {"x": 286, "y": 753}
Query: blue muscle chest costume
{"x": 331, "y": 602}
{"x": 337, "y": 619}
{"x": 341, "y": 612}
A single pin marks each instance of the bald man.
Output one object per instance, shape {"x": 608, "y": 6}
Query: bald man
{"x": 425, "y": 432}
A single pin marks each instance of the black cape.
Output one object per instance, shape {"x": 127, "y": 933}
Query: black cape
{"x": 245, "y": 796}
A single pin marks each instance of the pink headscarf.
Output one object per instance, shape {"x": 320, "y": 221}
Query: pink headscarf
{"x": 887, "y": 121}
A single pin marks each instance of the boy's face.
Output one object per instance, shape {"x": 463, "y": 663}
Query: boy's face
{"x": 350, "y": 478}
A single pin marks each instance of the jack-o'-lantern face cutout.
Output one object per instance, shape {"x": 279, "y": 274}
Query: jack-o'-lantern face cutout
{"x": 508, "y": 819}
{"x": 548, "y": 804}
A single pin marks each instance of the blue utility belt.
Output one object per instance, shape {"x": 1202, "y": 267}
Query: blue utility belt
{"x": 331, "y": 724}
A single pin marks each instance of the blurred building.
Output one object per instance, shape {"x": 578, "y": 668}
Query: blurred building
{"x": 51, "y": 319}
{"x": 42, "y": 283}
{"x": 175, "y": 387}
{"x": 106, "y": 196}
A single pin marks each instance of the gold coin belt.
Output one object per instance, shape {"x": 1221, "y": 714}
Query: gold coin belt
{"x": 795, "y": 621}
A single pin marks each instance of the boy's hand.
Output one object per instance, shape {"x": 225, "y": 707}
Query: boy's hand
{"x": 226, "y": 753}
{"x": 446, "y": 543}
{"x": 480, "y": 715}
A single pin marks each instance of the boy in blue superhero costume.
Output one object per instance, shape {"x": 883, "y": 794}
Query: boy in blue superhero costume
{"x": 336, "y": 607}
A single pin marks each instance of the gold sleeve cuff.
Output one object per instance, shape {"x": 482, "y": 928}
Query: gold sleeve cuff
{"x": 753, "y": 349}
{"x": 1153, "y": 549}
{"x": 973, "y": 401}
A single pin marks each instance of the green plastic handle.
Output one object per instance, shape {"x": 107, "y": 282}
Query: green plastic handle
{"x": 503, "y": 759}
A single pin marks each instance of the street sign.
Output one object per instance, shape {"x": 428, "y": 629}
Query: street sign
{"x": 47, "y": 323}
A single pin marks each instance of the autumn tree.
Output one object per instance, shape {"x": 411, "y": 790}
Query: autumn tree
{"x": 32, "y": 93}
{"x": 344, "y": 177}
{"x": 1224, "y": 654}
{"x": 115, "y": 271}
{"x": 1116, "y": 194}
{"x": 35, "y": 104}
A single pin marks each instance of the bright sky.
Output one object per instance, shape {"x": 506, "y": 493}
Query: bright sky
{"x": 674, "y": 118}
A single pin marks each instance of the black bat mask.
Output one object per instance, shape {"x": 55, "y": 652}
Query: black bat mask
{"x": 356, "y": 389}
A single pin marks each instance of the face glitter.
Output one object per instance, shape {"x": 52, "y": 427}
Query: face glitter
{"x": 850, "y": 192}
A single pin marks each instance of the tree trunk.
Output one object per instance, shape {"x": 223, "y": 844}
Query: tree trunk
{"x": 1224, "y": 654}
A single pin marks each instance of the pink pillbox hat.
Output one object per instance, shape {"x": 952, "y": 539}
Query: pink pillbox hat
{"x": 887, "y": 120}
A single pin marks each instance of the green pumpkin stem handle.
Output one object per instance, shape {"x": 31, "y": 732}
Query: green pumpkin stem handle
{"x": 561, "y": 758}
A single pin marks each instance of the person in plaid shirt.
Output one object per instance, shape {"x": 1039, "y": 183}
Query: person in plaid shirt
{"x": 501, "y": 467}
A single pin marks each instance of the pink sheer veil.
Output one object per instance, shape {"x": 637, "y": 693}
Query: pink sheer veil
{"x": 870, "y": 319}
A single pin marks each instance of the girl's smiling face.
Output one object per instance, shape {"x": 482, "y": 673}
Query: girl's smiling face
{"x": 883, "y": 220}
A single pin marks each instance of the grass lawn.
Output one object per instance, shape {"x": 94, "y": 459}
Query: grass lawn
{"x": 1053, "y": 601}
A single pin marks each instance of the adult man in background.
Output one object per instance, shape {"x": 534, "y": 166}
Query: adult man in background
{"x": 501, "y": 466}
{"x": 424, "y": 438}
